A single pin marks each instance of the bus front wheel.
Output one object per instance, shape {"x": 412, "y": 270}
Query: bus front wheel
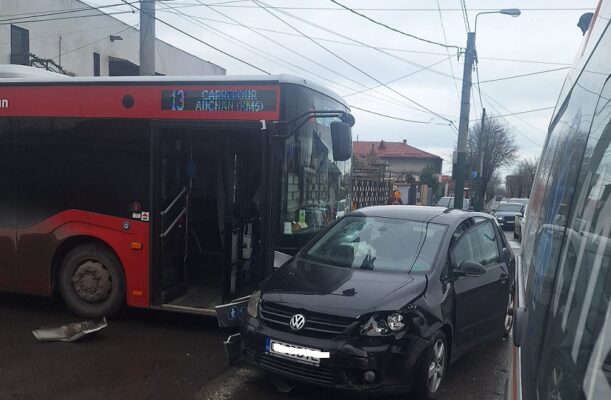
{"x": 91, "y": 281}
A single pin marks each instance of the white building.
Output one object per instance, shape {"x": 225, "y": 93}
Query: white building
{"x": 83, "y": 41}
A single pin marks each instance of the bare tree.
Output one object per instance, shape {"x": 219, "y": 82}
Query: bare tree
{"x": 498, "y": 149}
{"x": 521, "y": 179}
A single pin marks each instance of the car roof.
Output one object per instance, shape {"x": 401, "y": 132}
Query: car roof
{"x": 441, "y": 215}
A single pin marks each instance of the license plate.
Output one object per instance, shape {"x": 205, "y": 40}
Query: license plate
{"x": 304, "y": 355}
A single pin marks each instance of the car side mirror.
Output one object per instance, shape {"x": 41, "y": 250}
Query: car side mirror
{"x": 280, "y": 259}
{"x": 470, "y": 268}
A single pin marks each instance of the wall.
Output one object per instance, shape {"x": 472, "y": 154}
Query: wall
{"x": 81, "y": 37}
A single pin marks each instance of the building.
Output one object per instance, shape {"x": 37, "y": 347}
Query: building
{"x": 403, "y": 161}
{"x": 414, "y": 172}
{"x": 71, "y": 37}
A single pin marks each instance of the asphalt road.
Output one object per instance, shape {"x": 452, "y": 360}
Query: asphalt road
{"x": 157, "y": 355}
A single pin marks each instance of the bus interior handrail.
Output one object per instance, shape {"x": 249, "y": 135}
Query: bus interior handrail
{"x": 173, "y": 203}
{"x": 167, "y": 231}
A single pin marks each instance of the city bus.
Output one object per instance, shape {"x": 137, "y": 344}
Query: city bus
{"x": 162, "y": 192}
{"x": 563, "y": 321}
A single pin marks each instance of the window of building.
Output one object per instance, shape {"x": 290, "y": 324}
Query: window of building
{"x": 96, "y": 64}
{"x": 20, "y": 45}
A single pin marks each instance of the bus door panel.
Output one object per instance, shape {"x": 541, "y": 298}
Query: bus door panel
{"x": 8, "y": 222}
{"x": 172, "y": 194}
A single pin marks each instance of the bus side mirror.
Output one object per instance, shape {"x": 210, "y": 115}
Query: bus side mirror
{"x": 341, "y": 137}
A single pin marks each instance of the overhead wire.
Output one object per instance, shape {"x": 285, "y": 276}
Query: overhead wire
{"x": 523, "y": 75}
{"x": 258, "y": 50}
{"x": 451, "y": 123}
{"x": 465, "y": 16}
{"x": 313, "y": 61}
{"x": 389, "y": 116}
{"x": 358, "y": 44}
{"x": 207, "y": 44}
{"x": 490, "y": 100}
{"x": 391, "y": 28}
{"x": 445, "y": 39}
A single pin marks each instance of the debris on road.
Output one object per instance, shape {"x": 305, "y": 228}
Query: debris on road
{"x": 69, "y": 332}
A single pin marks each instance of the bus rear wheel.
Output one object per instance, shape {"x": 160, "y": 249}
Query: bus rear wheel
{"x": 91, "y": 281}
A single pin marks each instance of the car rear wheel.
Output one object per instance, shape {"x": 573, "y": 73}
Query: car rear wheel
{"x": 433, "y": 367}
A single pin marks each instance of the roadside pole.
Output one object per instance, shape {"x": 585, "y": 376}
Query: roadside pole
{"x": 463, "y": 127}
{"x": 480, "y": 167}
{"x": 147, "y": 37}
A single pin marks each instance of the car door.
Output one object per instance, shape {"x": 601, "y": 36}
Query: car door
{"x": 480, "y": 301}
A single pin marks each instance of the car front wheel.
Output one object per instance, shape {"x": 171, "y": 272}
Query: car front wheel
{"x": 433, "y": 367}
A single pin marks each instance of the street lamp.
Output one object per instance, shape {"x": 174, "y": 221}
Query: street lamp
{"x": 465, "y": 107}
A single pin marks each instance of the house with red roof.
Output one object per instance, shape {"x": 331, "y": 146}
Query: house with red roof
{"x": 402, "y": 160}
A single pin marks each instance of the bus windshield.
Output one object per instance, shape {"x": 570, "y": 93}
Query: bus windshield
{"x": 314, "y": 185}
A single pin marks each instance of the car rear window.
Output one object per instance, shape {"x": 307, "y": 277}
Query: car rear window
{"x": 509, "y": 207}
{"x": 379, "y": 244}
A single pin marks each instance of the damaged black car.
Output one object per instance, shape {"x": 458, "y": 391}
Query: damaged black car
{"x": 383, "y": 300}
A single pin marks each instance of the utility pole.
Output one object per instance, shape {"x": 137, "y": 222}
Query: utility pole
{"x": 463, "y": 126}
{"x": 480, "y": 168}
{"x": 147, "y": 37}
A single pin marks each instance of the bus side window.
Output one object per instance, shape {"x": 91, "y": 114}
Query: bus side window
{"x": 581, "y": 307}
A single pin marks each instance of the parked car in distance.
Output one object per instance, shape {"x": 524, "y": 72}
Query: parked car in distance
{"x": 520, "y": 222}
{"x": 506, "y": 213}
{"x": 383, "y": 301}
{"x": 448, "y": 202}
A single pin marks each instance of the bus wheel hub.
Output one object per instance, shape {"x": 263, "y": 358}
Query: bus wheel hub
{"x": 92, "y": 281}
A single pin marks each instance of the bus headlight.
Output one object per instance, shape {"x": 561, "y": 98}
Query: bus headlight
{"x": 253, "y": 304}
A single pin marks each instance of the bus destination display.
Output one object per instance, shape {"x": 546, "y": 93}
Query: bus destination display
{"x": 219, "y": 100}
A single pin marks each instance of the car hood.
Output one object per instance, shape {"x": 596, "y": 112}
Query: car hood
{"x": 340, "y": 291}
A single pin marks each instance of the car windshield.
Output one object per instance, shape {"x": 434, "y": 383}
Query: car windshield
{"x": 509, "y": 208}
{"x": 380, "y": 244}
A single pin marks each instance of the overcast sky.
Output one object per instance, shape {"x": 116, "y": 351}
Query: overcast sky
{"x": 545, "y": 35}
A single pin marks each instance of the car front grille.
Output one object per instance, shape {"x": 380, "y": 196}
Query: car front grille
{"x": 321, "y": 374}
{"x": 317, "y": 324}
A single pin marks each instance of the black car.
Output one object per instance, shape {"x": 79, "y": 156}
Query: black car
{"x": 506, "y": 214}
{"x": 383, "y": 300}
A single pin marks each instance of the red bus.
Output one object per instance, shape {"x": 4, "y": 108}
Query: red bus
{"x": 162, "y": 192}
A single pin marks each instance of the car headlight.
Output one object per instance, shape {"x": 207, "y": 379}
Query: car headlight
{"x": 383, "y": 325}
{"x": 253, "y": 304}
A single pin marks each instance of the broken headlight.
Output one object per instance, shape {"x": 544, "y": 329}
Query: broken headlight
{"x": 383, "y": 324}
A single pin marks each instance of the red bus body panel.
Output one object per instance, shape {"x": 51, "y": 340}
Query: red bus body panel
{"x": 38, "y": 243}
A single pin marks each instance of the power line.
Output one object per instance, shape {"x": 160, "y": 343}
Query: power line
{"x": 445, "y": 40}
{"x": 390, "y": 116}
{"x": 91, "y": 43}
{"x": 513, "y": 126}
{"x": 359, "y": 44}
{"x": 22, "y": 16}
{"x": 523, "y": 75}
{"x": 465, "y": 16}
{"x": 391, "y": 28}
{"x": 396, "y": 79}
{"x": 352, "y": 65}
{"x": 292, "y": 51}
{"x": 63, "y": 18}
{"x": 402, "y": 9}
{"x": 521, "y": 112}
{"x": 207, "y": 44}
{"x": 362, "y": 109}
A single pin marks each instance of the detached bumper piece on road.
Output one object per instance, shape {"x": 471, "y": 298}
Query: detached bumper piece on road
{"x": 69, "y": 332}
{"x": 355, "y": 363}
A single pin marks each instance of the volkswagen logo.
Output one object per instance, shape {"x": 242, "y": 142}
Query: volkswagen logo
{"x": 297, "y": 322}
